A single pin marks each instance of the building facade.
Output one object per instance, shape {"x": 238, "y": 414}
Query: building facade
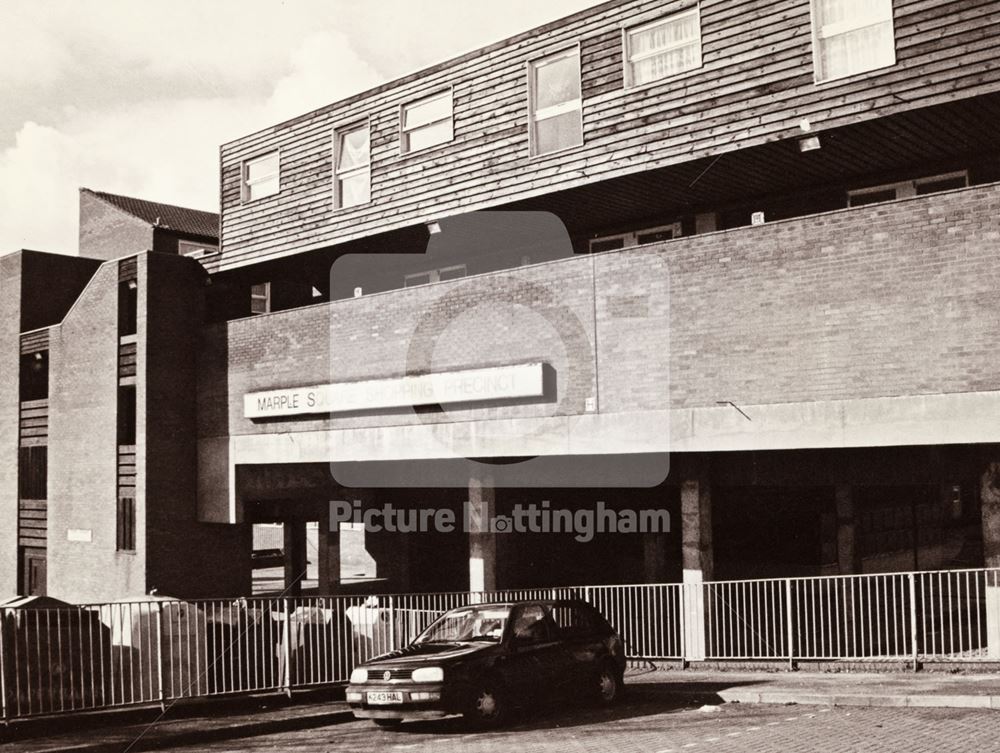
{"x": 733, "y": 261}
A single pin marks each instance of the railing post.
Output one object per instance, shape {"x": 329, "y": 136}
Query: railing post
{"x": 3, "y": 670}
{"x": 913, "y": 618}
{"x": 682, "y": 620}
{"x": 392, "y": 623}
{"x": 286, "y": 653}
{"x": 159, "y": 654}
{"x": 789, "y": 624}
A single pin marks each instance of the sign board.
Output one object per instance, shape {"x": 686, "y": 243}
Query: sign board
{"x": 468, "y": 386}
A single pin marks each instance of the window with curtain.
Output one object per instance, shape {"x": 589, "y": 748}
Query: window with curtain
{"x": 662, "y": 48}
{"x": 556, "y": 116}
{"x": 352, "y": 181}
{"x": 426, "y": 122}
{"x": 852, "y": 36}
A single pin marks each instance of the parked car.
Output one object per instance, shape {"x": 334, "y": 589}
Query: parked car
{"x": 482, "y": 660}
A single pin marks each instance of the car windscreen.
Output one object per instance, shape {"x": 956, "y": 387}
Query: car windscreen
{"x": 467, "y": 624}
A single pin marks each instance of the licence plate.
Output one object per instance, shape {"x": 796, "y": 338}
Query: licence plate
{"x": 384, "y": 698}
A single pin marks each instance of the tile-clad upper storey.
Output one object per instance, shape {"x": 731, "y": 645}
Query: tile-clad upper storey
{"x": 607, "y": 92}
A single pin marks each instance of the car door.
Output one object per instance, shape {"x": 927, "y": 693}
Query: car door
{"x": 531, "y": 666}
{"x": 583, "y": 642}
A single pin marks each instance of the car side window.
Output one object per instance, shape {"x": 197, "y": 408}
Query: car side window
{"x": 532, "y": 625}
{"x": 576, "y": 621}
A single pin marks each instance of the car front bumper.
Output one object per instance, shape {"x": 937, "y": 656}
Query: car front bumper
{"x": 420, "y": 701}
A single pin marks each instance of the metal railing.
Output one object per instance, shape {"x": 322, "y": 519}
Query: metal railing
{"x": 96, "y": 656}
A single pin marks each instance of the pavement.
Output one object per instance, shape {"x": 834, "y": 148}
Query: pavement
{"x": 320, "y": 722}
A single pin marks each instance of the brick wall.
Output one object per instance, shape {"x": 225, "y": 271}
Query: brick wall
{"x": 184, "y": 557}
{"x": 391, "y": 334}
{"x": 83, "y": 452}
{"x": 109, "y": 233}
{"x": 61, "y": 277}
{"x": 892, "y": 299}
{"x": 10, "y": 302}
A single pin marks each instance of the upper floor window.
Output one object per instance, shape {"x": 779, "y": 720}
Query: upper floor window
{"x": 851, "y": 36}
{"x": 189, "y": 248}
{"x": 260, "y": 177}
{"x": 352, "y": 166}
{"x": 555, "y": 102}
{"x": 635, "y": 238}
{"x": 663, "y": 48}
{"x": 426, "y": 122}
{"x": 260, "y": 298}
{"x": 907, "y": 188}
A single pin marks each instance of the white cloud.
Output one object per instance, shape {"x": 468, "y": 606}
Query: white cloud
{"x": 135, "y": 98}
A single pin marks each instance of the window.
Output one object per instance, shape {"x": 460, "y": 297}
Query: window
{"x": 555, "y": 103}
{"x": 260, "y": 298}
{"x": 851, "y": 36}
{"x": 35, "y": 376}
{"x": 188, "y": 248}
{"x": 662, "y": 48}
{"x": 637, "y": 238}
{"x": 907, "y": 188}
{"x": 126, "y": 415}
{"x": 33, "y": 472}
{"x": 435, "y": 275}
{"x": 427, "y": 122}
{"x": 128, "y": 307}
{"x": 125, "y": 525}
{"x": 261, "y": 177}
{"x": 352, "y": 166}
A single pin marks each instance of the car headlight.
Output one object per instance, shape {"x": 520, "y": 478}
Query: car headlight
{"x": 359, "y": 676}
{"x": 427, "y": 674}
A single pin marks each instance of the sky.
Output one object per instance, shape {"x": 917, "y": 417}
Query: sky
{"x": 135, "y": 96}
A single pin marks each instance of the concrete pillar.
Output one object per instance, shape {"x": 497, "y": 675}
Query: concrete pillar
{"x": 295, "y": 556}
{"x": 328, "y": 544}
{"x": 848, "y": 555}
{"x": 697, "y": 556}
{"x": 989, "y": 495}
{"x": 482, "y": 542}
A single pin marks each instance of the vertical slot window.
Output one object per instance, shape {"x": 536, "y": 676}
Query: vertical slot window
{"x": 34, "y": 384}
{"x": 126, "y": 415}
{"x": 125, "y": 525}
{"x": 128, "y": 306}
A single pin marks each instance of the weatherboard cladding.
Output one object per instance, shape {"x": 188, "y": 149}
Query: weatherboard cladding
{"x": 755, "y": 86}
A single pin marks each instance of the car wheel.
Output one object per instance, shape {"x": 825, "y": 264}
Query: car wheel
{"x": 388, "y": 723}
{"x": 608, "y": 685}
{"x": 487, "y": 705}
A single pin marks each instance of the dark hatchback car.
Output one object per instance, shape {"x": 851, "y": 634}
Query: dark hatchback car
{"x": 484, "y": 659}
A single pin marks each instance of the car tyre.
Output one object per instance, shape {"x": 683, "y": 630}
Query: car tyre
{"x": 487, "y": 706}
{"x": 388, "y": 723}
{"x": 608, "y": 685}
